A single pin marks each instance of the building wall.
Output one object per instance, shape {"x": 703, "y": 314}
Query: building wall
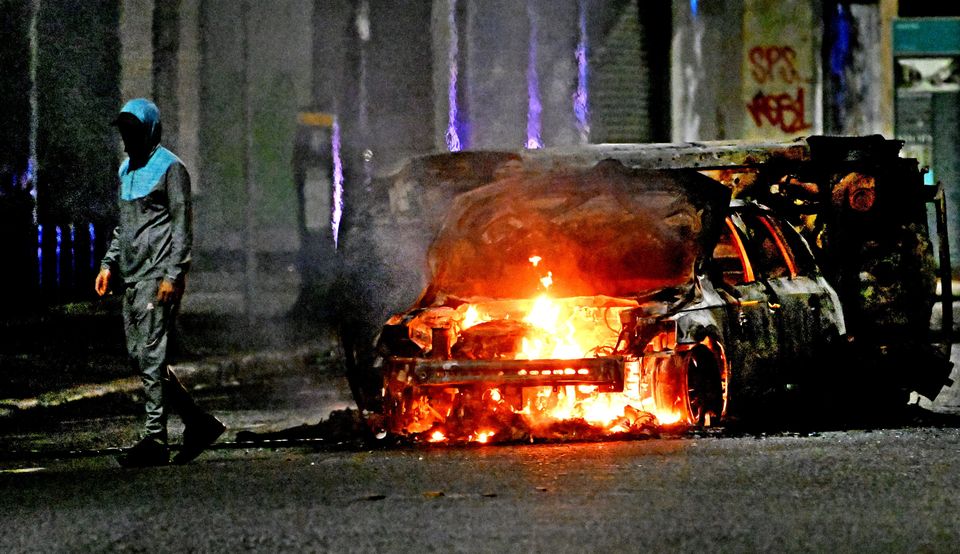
{"x": 519, "y": 78}
{"x": 772, "y": 92}
{"x": 279, "y": 83}
{"x": 187, "y": 54}
{"x": 781, "y": 91}
{"x": 277, "y": 75}
{"x": 620, "y": 79}
{"x": 805, "y": 67}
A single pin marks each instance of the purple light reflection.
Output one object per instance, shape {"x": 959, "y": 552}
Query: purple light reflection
{"x": 93, "y": 242}
{"x": 73, "y": 257}
{"x": 581, "y": 105}
{"x": 533, "y": 86}
{"x": 337, "y": 184}
{"x": 452, "y": 137}
{"x": 59, "y": 244}
{"x": 40, "y": 255}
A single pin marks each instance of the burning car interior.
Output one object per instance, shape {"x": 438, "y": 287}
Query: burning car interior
{"x": 611, "y": 296}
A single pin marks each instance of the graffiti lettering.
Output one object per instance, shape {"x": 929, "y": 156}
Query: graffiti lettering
{"x": 768, "y": 63}
{"x": 780, "y": 110}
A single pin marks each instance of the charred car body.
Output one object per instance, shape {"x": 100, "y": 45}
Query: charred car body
{"x": 506, "y": 294}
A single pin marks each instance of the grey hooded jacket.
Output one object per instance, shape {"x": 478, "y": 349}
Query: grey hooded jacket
{"x": 154, "y": 236}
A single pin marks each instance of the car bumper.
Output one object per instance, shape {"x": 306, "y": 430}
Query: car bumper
{"x": 606, "y": 372}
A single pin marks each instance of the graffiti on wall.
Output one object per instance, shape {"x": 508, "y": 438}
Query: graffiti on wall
{"x": 786, "y": 110}
{"x": 779, "y": 69}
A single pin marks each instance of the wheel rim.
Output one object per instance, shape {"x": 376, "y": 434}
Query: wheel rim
{"x": 703, "y": 391}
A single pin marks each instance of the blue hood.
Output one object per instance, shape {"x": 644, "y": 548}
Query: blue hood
{"x": 139, "y": 182}
{"x": 148, "y": 114}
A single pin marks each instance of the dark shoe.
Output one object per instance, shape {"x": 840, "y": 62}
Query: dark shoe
{"x": 198, "y": 436}
{"x": 147, "y": 452}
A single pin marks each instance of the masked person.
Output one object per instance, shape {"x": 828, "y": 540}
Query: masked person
{"x": 150, "y": 253}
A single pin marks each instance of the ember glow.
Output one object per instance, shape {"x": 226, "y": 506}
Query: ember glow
{"x": 561, "y": 395}
{"x": 482, "y": 436}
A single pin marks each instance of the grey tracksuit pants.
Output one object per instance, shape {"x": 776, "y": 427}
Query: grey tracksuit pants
{"x": 148, "y": 326}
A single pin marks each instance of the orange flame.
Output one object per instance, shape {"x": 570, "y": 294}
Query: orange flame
{"x": 482, "y": 436}
{"x": 564, "y": 329}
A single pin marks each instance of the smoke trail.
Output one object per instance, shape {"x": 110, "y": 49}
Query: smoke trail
{"x": 337, "y": 183}
{"x": 533, "y": 86}
{"x": 453, "y": 138}
{"x": 363, "y": 31}
{"x": 581, "y": 106}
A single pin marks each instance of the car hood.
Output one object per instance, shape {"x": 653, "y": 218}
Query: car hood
{"x": 605, "y": 230}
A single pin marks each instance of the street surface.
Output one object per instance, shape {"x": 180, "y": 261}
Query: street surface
{"x": 851, "y": 490}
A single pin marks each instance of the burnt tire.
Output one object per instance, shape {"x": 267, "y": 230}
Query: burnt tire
{"x": 690, "y": 384}
{"x": 704, "y": 387}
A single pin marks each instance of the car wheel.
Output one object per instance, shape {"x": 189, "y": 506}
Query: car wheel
{"x": 704, "y": 399}
{"x": 690, "y": 384}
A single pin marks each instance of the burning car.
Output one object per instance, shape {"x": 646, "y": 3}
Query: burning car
{"x": 593, "y": 293}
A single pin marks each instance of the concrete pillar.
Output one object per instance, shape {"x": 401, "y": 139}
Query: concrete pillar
{"x": 774, "y": 92}
{"x": 888, "y": 11}
{"x": 166, "y": 62}
{"x": 482, "y": 54}
{"x": 497, "y": 41}
{"x": 136, "y": 49}
{"x": 852, "y": 69}
{"x": 331, "y": 25}
{"x": 556, "y": 66}
{"x": 448, "y": 47}
{"x": 399, "y": 81}
{"x": 782, "y": 76}
{"x": 706, "y": 85}
{"x": 188, "y": 90}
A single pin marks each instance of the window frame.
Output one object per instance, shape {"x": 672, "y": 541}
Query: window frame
{"x": 761, "y": 221}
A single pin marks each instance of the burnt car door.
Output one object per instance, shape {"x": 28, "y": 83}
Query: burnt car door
{"x": 804, "y": 306}
{"x": 752, "y": 341}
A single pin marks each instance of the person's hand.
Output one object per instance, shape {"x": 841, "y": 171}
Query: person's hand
{"x": 168, "y": 292}
{"x": 102, "y": 284}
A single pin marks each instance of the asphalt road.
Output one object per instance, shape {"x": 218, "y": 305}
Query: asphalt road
{"x": 853, "y": 490}
{"x": 844, "y": 491}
